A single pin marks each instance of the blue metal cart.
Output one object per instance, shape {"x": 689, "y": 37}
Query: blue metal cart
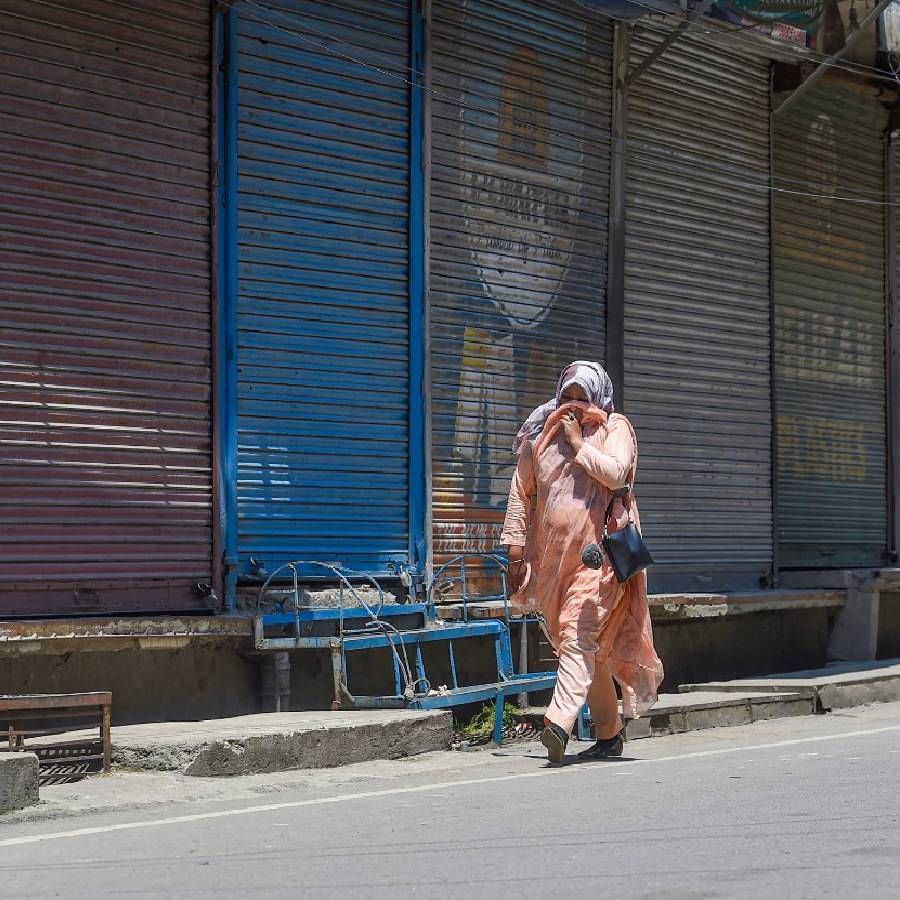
{"x": 404, "y": 629}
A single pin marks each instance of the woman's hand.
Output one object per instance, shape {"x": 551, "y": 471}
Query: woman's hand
{"x": 572, "y": 429}
{"x": 516, "y": 572}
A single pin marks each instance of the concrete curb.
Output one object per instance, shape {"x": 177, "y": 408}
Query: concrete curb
{"x": 696, "y": 711}
{"x": 838, "y": 686}
{"x": 18, "y": 781}
{"x": 842, "y": 696}
{"x": 233, "y": 747}
{"x": 718, "y": 710}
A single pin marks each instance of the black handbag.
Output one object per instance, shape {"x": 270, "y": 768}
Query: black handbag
{"x": 625, "y": 549}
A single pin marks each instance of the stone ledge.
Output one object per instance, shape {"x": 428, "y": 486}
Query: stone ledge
{"x": 666, "y": 607}
{"x": 669, "y": 607}
{"x": 18, "y": 781}
{"x": 60, "y": 636}
{"x": 882, "y": 578}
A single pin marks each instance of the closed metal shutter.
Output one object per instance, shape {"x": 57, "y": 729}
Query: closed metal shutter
{"x": 519, "y": 206}
{"x": 105, "y": 466}
{"x": 830, "y": 330}
{"x": 323, "y": 284}
{"x": 697, "y": 357}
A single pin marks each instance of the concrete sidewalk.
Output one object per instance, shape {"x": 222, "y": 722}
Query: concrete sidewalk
{"x": 838, "y": 686}
{"x": 277, "y": 742}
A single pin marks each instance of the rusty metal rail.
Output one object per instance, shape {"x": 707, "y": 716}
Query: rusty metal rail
{"x": 43, "y": 724}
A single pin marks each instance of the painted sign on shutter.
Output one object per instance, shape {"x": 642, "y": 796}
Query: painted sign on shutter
{"x": 518, "y": 236}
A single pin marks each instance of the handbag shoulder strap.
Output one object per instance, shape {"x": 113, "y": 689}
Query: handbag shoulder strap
{"x": 621, "y": 493}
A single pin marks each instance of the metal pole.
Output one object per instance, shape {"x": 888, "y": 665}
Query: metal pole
{"x": 418, "y": 421}
{"x": 773, "y": 466}
{"x": 522, "y": 699}
{"x": 893, "y": 342}
{"x": 826, "y": 65}
{"x": 227, "y": 325}
{"x": 217, "y": 84}
{"x": 426, "y": 319}
{"x": 615, "y": 285}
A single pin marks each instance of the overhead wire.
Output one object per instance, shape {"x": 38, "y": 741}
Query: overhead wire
{"x": 396, "y": 73}
{"x": 700, "y": 27}
{"x": 768, "y": 184}
{"x": 696, "y": 28}
{"x": 646, "y": 24}
{"x": 580, "y": 141}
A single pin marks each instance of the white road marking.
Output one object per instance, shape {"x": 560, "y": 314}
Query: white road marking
{"x": 425, "y": 788}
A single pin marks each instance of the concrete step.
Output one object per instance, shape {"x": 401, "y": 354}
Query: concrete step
{"x": 699, "y": 710}
{"x": 696, "y": 711}
{"x": 837, "y": 686}
{"x": 277, "y": 742}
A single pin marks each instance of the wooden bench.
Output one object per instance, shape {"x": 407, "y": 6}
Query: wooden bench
{"x": 32, "y": 721}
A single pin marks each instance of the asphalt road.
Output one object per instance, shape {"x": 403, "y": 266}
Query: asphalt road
{"x": 798, "y": 808}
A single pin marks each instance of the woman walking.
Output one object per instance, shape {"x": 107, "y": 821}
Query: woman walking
{"x": 575, "y": 456}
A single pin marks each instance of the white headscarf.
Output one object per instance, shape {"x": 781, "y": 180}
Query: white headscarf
{"x": 591, "y": 376}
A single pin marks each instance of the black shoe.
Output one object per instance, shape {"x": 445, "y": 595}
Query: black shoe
{"x": 604, "y": 749}
{"x": 555, "y": 740}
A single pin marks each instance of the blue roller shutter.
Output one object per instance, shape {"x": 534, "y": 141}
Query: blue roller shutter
{"x": 322, "y": 388}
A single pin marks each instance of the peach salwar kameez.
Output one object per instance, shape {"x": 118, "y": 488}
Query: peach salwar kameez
{"x": 557, "y": 505}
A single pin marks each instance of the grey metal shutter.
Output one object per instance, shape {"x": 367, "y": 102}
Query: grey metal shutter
{"x": 323, "y": 284}
{"x": 697, "y": 358}
{"x": 105, "y": 444}
{"x": 519, "y": 197}
{"x": 830, "y": 330}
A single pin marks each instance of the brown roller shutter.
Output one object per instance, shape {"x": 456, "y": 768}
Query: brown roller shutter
{"x": 105, "y": 444}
